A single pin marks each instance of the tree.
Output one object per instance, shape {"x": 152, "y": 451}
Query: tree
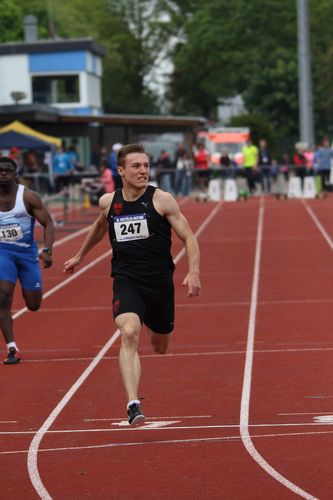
{"x": 11, "y": 21}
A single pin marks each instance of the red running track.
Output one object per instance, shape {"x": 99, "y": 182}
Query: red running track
{"x": 240, "y": 408}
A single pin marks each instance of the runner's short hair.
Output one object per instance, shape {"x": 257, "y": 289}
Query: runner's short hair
{"x": 6, "y": 159}
{"x": 128, "y": 149}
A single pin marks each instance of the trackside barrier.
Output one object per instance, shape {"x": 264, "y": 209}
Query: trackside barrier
{"x": 230, "y": 190}
{"x": 295, "y": 188}
{"x": 309, "y": 189}
{"x": 214, "y": 190}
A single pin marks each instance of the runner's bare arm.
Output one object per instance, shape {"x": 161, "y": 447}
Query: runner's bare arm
{"x": 167, "y": 206}
{"x": 37, "y": 209}
{"x": 96, "y": 233}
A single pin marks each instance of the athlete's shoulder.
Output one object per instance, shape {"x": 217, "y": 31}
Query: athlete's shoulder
{"x": 105, "y": 201}
{"x": 30, "y": 197}
{"x": 164, "y": 202}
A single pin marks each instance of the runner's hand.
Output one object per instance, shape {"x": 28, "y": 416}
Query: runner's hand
{"x": 46, "y": 259}
{"x": 192, "y": 281}
{"x": 71, "y": 264}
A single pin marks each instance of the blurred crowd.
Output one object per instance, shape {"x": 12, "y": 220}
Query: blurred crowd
{"x": 182, "y": 172}
{"x": 256, "y": 165}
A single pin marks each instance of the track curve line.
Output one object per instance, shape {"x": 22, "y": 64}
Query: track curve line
{"x": 247, "y": 379}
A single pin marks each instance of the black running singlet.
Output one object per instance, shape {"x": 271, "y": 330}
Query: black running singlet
{"x": 140, "y": 238}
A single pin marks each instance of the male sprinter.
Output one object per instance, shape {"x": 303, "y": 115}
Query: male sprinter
{"x": 139, "y": 218}
{"x": 19, "y": 207}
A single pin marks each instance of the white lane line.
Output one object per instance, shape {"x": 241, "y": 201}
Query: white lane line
{"x": 247, "y": 380}
{"x": 318, "y": 224}
{"x": 34, "y": 446}
{"x": 127, "y": 428}
{"x": 308, "y": 413}
{"x": 150, "y": 418}
{"x": 70, "y": 237}
{"x": 169, "y": 441}
{"x": 177, "y": 355}
{"x": 201, "y": 304}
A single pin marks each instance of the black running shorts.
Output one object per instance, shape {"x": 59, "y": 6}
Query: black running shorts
{"x": 154, "y": 305}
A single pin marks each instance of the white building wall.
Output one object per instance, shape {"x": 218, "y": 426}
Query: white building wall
{"x": 91, "y": 85}
{"x": 14, "y": 71}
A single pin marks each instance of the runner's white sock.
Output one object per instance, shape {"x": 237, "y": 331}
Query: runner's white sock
{"x": 132, "y": 402}
{"x": 12, "y": 344}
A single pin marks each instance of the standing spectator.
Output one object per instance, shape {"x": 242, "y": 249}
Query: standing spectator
{"x": 15, "y": 154}
{"x": 285, "y": 166}
{"x": 183, "y": 166}
{"x": 250, "y": 162}
{"x": 183, "y": 175}
{"x": 32, "y": 169}
{"x": 164, "y": 167}
{"x": 227, "y": 165}
{"x": 323, "y": 160}
{"x": 264, "y": 163}
{"x": 201, "y": 164}
{"x": 107, "y": 178}
{"x": 113, "y": 164}
{"x": 74, "y": 157}
{"x": 98, "y": 157}
{"x": 300, "y": 163}
{"x": 62, "y": 169}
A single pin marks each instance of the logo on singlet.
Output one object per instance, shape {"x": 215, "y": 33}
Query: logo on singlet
{"x": 118, "y": 208}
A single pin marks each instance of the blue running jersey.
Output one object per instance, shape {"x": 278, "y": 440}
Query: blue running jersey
{"x": 17, "y": 226}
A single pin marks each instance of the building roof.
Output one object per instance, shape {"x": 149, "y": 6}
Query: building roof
{"x": 54, "y": 45}
{"x": 45, "y": 113}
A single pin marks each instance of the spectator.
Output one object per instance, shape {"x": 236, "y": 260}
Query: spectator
{"x": 250, "y": 159}
{"x": 32, "y": 168}
{"x": 183, "y": 175}
{"x": 300, "y": 162}
{"x": 107, "y": 178}
{"x": 74, "y": 157}
{"x": 323, "y": 160}
{"x": 164, "y": 168}
{"x": 264, "y": 163}
{"x": 285, "y": 166}
{"x": 183, "y": 166}
{"x": 97, "y": 157}
{"x": 15, "y": 154}
{"x": 201, "y": 164}
{"x": 113, "y": 164}
{"x": 227, "y": 165}
{"x": 62, "y": 169}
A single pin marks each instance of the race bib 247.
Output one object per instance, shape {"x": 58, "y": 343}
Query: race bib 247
{"x": 131, "y": 227}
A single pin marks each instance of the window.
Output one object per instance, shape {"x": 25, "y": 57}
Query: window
{"x": 56, "y": 89}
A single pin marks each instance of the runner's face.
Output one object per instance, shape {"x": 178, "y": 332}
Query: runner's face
{"x": 136, "y": 171}
{"x": 7, "y": 173}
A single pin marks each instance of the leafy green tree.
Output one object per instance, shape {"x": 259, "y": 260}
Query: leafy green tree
{"x": 11, "y": 21}
{"x": 247, "y": 48}
{"x": 321, "y": 39}
{"x": 250, "y": 48}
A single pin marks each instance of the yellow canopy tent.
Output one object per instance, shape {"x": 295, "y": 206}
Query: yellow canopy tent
{"x": 19, "y": 128}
